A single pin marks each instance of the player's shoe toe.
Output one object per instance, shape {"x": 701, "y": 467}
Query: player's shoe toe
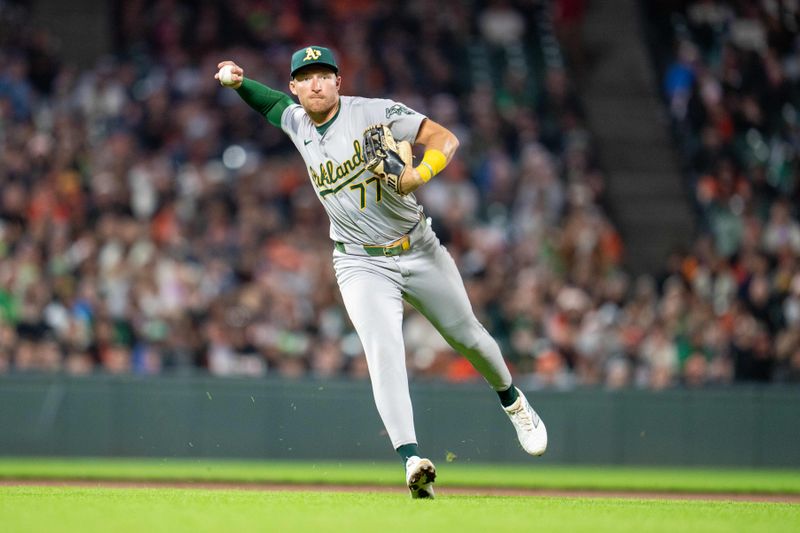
{"x": 420, "y": 475}
{"x": 531, "y": 431}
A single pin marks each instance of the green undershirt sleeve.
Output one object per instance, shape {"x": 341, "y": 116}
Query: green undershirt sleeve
{"x": 268, "y": 102}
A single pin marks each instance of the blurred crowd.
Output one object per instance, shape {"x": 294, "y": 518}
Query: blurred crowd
{"x": 151, "y": 222}
{"x": 731, "y": 83}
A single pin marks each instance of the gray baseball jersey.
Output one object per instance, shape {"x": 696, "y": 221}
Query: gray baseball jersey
{"x": 361, "y": 209}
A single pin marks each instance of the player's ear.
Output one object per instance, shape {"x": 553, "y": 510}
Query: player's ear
{"x": 338, "y": 82}
{"x": 292, "y": 87}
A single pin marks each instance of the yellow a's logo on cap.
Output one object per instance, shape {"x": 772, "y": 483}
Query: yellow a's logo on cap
{"x": 312, "y": 54}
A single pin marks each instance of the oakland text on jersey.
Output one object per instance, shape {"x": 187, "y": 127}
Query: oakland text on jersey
{"x": 329, "y": 175}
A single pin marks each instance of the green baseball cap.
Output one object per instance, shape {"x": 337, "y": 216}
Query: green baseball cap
{"x": 313, "y": 55}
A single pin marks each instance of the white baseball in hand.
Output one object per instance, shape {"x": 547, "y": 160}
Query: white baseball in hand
{"x": 225, "y": 76}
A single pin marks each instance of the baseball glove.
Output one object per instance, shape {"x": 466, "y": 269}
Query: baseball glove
{"x": 385, "y": 157}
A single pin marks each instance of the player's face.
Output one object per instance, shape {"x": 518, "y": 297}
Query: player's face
{"x": 317, "y": 88}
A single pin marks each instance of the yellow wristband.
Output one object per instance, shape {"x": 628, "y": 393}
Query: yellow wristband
{"x": 432, "y": 163}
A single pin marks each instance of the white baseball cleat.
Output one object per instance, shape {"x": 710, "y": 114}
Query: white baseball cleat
{"x": 420, "y": 475}
{"x": 531, "y": 432}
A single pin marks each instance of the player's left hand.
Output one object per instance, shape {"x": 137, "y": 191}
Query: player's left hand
{"x": 410, "y": 180}
{"x": 388, "y": 159}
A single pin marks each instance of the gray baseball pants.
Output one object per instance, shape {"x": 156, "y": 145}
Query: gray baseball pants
{"x": 373, "y": 290}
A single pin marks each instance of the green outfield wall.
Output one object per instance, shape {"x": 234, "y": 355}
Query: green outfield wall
{"x": 275, "y": 419}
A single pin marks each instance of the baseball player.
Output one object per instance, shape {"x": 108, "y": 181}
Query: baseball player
{"x": 358, "y": 155}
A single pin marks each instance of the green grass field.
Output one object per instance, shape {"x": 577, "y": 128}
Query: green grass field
{"x": 452, "y": 474}
{"x": 84, "y": 509}
{"x": 171, "y": 510}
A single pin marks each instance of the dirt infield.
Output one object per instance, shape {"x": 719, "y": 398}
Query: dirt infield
{"x": 441, "y": 490}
